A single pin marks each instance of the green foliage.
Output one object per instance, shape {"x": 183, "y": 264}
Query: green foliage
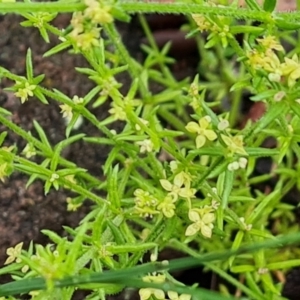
{"x": 189, "y": 185}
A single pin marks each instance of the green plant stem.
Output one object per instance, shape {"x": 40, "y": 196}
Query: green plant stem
{"x": 166, "y": 72}
{"x": 74, "y": 187}
{"x": 54, "y": 7}
{"x": 126, "y": 276}
{"x": 189, "y": 8}
{"x": 80, "y": 109}
{"x": 133, "y": 68}
{"x": 45, "y": 150}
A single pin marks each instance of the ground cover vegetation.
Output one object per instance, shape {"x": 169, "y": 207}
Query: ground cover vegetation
{"x": 181, "y": 169}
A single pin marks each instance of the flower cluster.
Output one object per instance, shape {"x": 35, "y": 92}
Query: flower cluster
{"x": 118, "y": 110}
{"x": 219, "y": 28}
{"x": 24, "y": 90}
{"x": 85, "y": 33}
{"x": 265, "y": 58}
{"x": 181, "y": 186}
{"x": 147, "y": 205}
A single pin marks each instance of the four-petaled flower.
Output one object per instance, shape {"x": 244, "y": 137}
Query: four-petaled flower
{"x": 13, "y": 253}
{"x": 203, "y": 219}
{"x": 203, "y": 131}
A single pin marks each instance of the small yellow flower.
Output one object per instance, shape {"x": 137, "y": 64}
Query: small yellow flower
{"x": 88, "y": 39}
{"x": 203, "y": 131}
{"x": 179, "y": 188}
{"x": 167, "y": 206}
{"x": 234, "y": 144}
{"x": 291, "y": 69}
{"x": 25, "y": 92}
{"x": 145, "y": 146}
{"x": 146, "y": 293}
{"x": 72, "y": 206}
{"x": 174, "y": 296}
{"x": 29, "y": 150}
{"x": 201, "y": 22}
{"x": 77, "y": 23}
{"x": 13, "y": 253}
{"x": 270, "y": 42}
{"x": 98, "y": 14}
{"x": 66, "y": 110}
{"x": 203, "y": 221}
{"x": 118, "y": 112}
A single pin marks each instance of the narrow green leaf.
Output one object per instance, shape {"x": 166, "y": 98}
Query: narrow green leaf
{"x": 246, "y": 29}
{"x": 286, "y": 25}
{"x": 242, "y": 269}
{"x": 113, "y": 195}
{"x": 269, "y": 5}
{"x": 42, "y": 135}
{"x": 29, "y": 67}
{"x": 228, "y": 184}
{"x": 261, "y": 152}
{"x": 252, "y": 4}
{"x": 58, "y": 48}
{"x": 284, "y": 264}
{"x": 259, "y": 210}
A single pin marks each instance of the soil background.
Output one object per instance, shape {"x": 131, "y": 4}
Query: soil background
{"x": 24, "y": 212}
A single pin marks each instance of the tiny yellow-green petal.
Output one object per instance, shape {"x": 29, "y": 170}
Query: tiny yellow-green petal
{"x": 210, "y": 134}
{"x": 194, "y": 216}
{"x": 192, "y": 229}
{"x": 192, "y": 127}
{"x": 206, "y": 231}
{"x": 167, "y": 185}
{"x": 200, "y": 141}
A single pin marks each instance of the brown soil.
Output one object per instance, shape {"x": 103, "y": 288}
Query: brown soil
{"x": 24, "y": 212}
